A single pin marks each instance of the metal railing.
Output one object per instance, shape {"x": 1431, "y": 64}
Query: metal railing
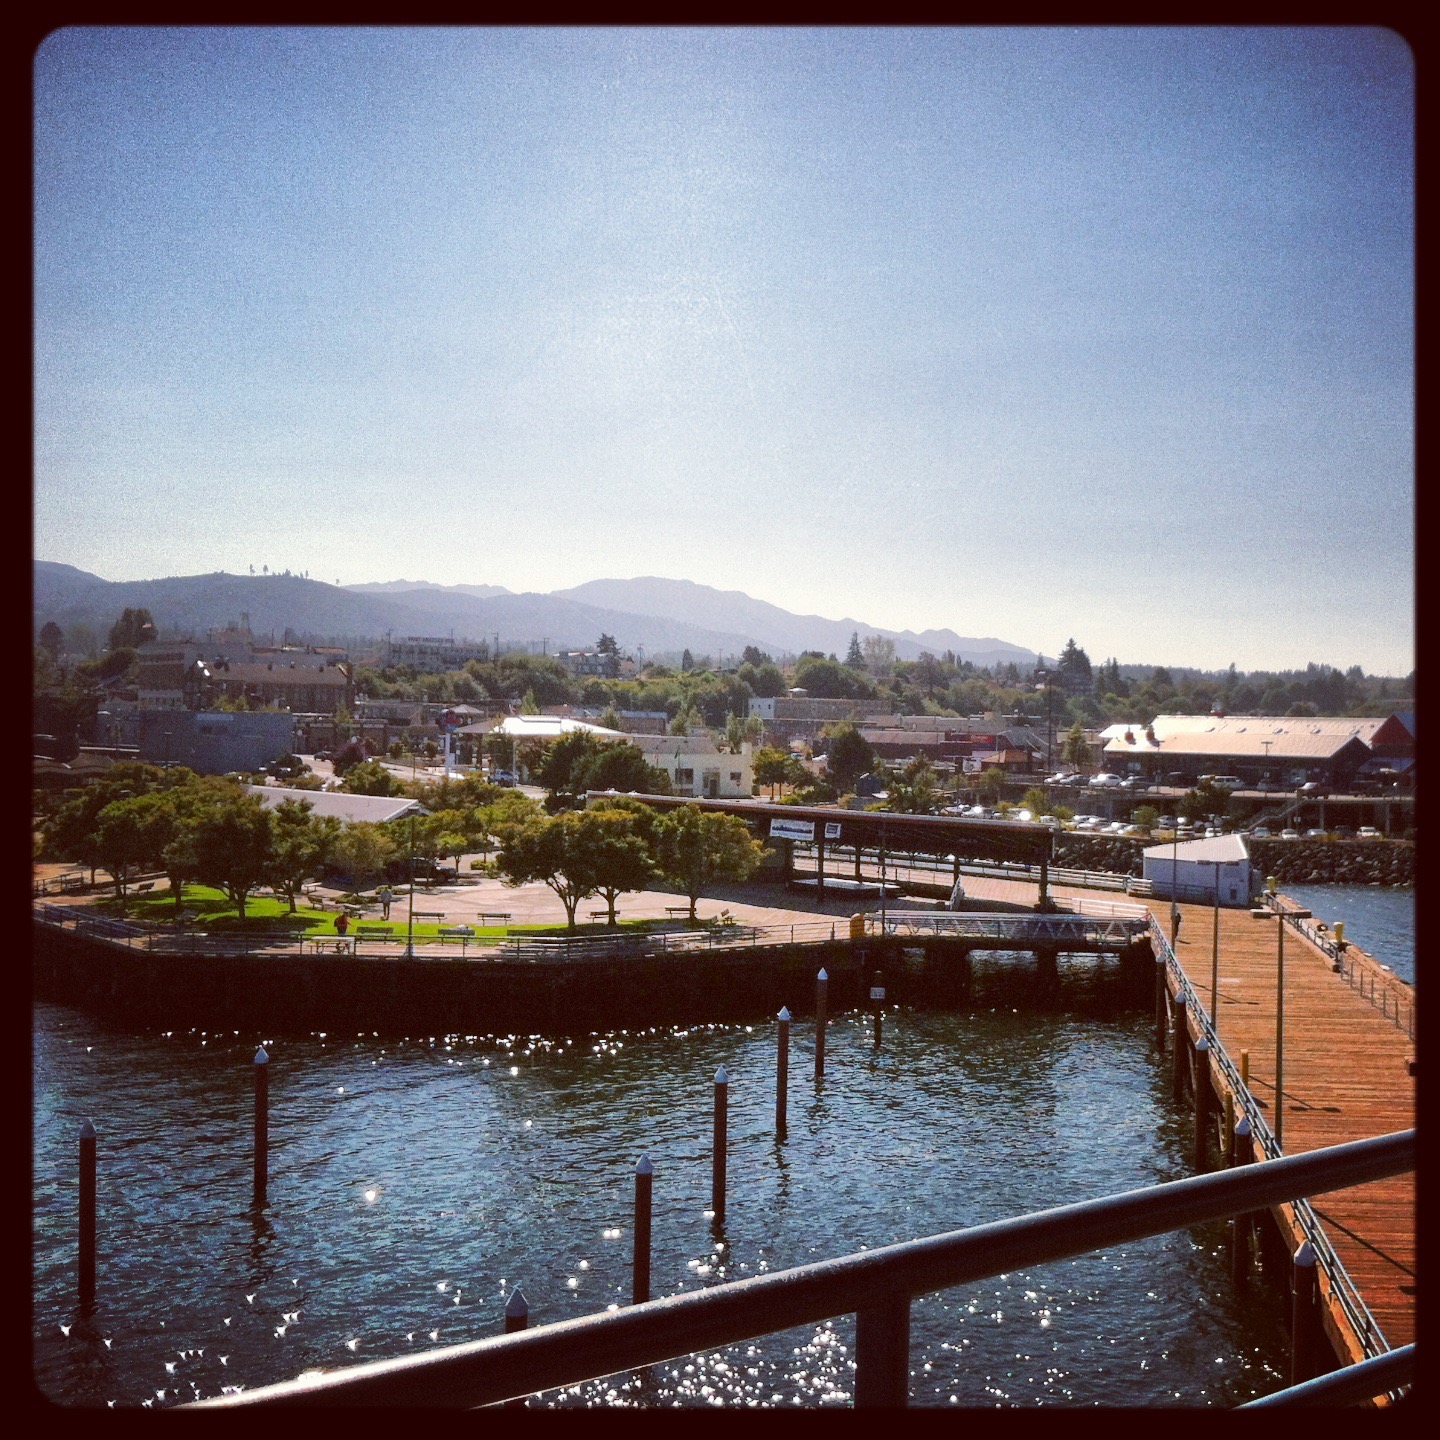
{"x": 1364, "y": 1324}
{"x": 876, "y": 1285}
{"x": 1013, "y": 931}
{"x": 1375, "y": 982}
{"x": 1365, "y": 1380}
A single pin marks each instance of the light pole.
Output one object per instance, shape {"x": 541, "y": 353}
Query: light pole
{"x": 1215, "y": 956}
{"x": 1274, "y": 912}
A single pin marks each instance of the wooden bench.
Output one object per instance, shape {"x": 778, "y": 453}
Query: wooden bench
{"x": 337, "y": 946}
{"x": 374, "y": 932}
{"x": 600, "y": 915}
{"x": 681, "y": 912}
{"x": 148, "y": 885}
{"x": 436, "y": 915}
{"x": 500, "y": 917}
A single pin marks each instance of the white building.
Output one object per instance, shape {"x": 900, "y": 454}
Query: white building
{"x": 1193, "y": 870}
{"x": 699, "y": 768}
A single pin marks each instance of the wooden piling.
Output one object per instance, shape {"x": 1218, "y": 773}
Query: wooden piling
{"x": 517, "y": 1317}
{"x": 260, "y": 1196}
{"x": 640, "y": 1281}
{"x": 822, "y": 986}
{"x": 1306, "y": 1335}
{"x": 87, "y": 1217}
{"x": 717, "y": 1163}
{"x": 1242, "y": 1152}
{"x": 1200, "y": 1086}
{"x": 877, "y": 999}
{"x": 782, "y": 1073}
{"x": 1178, "y": 1047}
{"x": 1162, "y": 1003}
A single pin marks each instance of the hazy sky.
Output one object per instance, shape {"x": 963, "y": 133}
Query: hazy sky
{"x": 1034, "y": 333}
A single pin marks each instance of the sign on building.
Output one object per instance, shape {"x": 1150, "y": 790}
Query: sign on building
{"x": 792, "y": 829}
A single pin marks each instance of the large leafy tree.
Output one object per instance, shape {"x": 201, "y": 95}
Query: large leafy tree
{"x": 697, "y": 848}
{"x": 134, "y": 627}
{"x": 552, "y": 850}
{"x": 1072, "y": 671}
{"x": 301, "y": 844}
{"x": 1076, "y": 749}
{"x": 771, "y": 767}
{"x": 848, "y": 756}
{"x": 129, "y": 836}
{"x": 917, "y": 791}
{"x": 234, "y": 847}
{"x": 621, "y": 857}
{"x": 370, "y": 777}
{"x": 362, "y": 850}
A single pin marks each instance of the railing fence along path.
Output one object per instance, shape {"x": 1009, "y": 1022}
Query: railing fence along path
{"x": 877, "y": 1286}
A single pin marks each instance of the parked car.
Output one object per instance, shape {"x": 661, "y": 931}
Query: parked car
{"x": 1288, "y": 834}
{"x": 1314, "y": 787}
{"x": 501, "y": 777}
{"x": 1314, "y": 833}
{"x": 1368, "y": 832}
{"x": 1166, "y": 822}
{"x": 1343, "y": 832}
{"x": 1135, "y": 782}
{"x": 1224, "y": 782}
{"x": 1261, "y": 832}
{"x": 1105, "y": 781}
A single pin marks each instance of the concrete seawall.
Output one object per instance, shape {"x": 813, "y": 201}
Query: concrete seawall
{"x": 295, "y": 994}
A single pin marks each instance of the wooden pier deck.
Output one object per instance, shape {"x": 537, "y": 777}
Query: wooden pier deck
{"x": 1347, "y": 1075}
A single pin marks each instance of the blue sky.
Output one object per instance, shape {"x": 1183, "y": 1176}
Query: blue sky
{"x": 1036, "y": 333}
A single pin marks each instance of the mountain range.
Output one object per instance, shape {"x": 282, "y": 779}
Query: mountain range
{"x": 656, "y": 616}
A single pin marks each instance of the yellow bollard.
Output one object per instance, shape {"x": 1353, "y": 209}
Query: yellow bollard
{"x": 857, "y": 927}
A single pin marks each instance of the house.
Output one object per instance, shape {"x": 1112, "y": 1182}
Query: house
{"x": 698, "y": 767}
{"x": 1197, "y": 870}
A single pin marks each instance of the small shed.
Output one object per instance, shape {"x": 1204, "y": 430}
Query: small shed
{"x": 1195, "y": 870}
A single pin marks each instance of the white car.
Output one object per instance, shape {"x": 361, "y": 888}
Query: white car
{"x": 1288, "y": 834}
{"x": 1368, "y": 832}
{"x": 1105, "y": 781}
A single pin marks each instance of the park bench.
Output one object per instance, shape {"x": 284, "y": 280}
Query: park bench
{"x": 462, "y": 933}
{"x": 373, "y": 932}
{"x": 499, "y": 917}
{"x": 678, "y": 912}
{"x": 600, "y": 915}
{"x": 337, "y": 945}
{"x": 436, "y": 915}
{"x": 148, "y": 885}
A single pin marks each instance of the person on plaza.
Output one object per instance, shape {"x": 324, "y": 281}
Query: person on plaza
{"x": 386, "y": 896}
{"x": 342, "y": 923}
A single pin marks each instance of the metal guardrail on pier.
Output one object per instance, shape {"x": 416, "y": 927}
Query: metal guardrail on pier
{"x": 877, "y": 1286}
{"x": 1013, "y": 931}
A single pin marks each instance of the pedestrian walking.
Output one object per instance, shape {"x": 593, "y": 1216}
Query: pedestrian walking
{"x": 386, "y": 896}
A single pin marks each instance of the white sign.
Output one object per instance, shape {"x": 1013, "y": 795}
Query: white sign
{"x": 832, "y": 829}
{"x": 792, "y": 829}
{"x": 877, "y": 992}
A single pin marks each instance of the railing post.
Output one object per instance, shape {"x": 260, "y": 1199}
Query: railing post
{"x": 717, "y": 1162}
{"x": 1242, "y": 1152}
{"x": 882, "y": 1355}
{"x": 87, "y": 1217}
{"x": 1200, "y": 1080}
{"x": 1179, "y": 1046}
{"x": 517, "y": 1317}
{"x": 1306, "y": 1336}
{"x": 640, "y": 1282}
{"x": 782, "y": 1072}
{"x": 260, "y": 1197}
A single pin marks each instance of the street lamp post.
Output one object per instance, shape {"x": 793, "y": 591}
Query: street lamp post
{"x": 410, "y": 917}
{"x": 1274, "y": 912}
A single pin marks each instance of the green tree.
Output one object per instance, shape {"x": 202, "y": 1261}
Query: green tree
{"x": 134, "y": 627}
{"x": 917, "y": 791}
{"x": 554, "y": 850}
{"x": 848, "y": 756}
{"x": 1072, "y": 671}
{"x": 622, "y": 858}
{"x": 697, "y": 848}
{"x": 771, "y": 767}
{"x": 370, "y": 777}
{"x": 234, "y": 847}
{"x": 1076, "y": 749}
{"x": 855, "y": 656}
{"x": 990, "y": 784}
{"x": 127, "y": 838}
{"x": 362, "y": 850}
{"x": 1204, "y": 800}
{"x": 1034, "y": 801}
{"x": 52, "y": 639}
{"x": 301, "y": 843}
{"x": 1145, "y": 816}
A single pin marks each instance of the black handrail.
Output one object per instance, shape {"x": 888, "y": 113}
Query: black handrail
{"x": 1365, "y": 1380}
{"x": 483, "y": 1372}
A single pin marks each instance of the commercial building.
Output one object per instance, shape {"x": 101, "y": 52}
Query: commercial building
{"x": 1196, "y": 871}
{"x": 215, "y": 742}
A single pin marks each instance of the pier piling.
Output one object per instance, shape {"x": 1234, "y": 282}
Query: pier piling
{"x": 262, "y": 1129}
{"x": 782, "y": 1073}
{"x": 1178, "y": 1048}
{"x": 517, "y": 1317}
{"x": 87, "y": 1217}
{"x": 640, "y": 1281}
{"x": 1242, "y": 1152}
{"x": 717, "y": 1164}
{"x": 1306, "y": 1336}
{"x": 1200, "y": 1083}
{"x": 822, "y": 985}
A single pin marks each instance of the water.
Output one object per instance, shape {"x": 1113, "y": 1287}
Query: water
{"x": 414, "y": 1183}
{"x": 1379, "y": 921}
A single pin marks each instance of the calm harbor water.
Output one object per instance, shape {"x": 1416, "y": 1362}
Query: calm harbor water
{"x": 1380, "y": 921}
{"x": 415, "y": 1182}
